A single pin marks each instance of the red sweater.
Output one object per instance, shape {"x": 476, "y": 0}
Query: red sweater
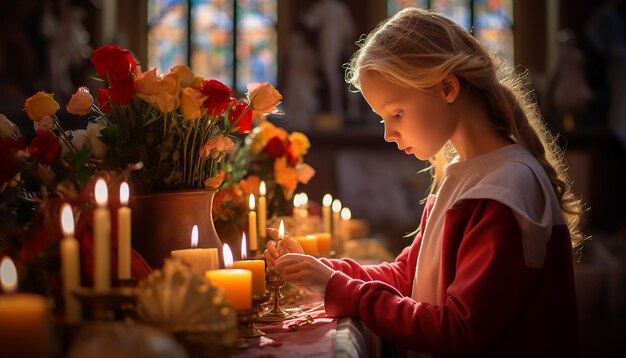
{"x": 495, "y": 305}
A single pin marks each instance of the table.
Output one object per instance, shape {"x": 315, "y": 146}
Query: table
{"x": 324, "y": 337}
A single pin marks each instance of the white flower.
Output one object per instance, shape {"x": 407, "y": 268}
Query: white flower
{"x": 7, "y": 128}
{"x": 93, "y": 135}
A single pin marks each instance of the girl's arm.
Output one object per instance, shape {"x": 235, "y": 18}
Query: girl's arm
{"x": 490, "y": 284}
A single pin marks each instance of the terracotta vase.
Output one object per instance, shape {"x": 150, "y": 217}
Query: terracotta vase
{"x": 162, "y": 222}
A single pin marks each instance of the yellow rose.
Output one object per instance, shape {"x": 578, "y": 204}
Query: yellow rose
{"x": 186, "y": 75}
{"x": 163, "y": 94}
{"x": 264, "y": 98}
{"x": 41, "y": 104}
{"x": 81, "y": 102}
{"x": 191, "y": 103}
{"x": 299, "y": 144}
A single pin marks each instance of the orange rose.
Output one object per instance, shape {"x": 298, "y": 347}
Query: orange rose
{"x": 187, "y": 77}
{"x": 162, "y": 93}
{"x": 285, "y": 176}
{"x": 216, "y": 180}
{"x": 264, "y": 98}
{"x": 81, "y": 102}
{"x": 304, "y": 173}
{"x": 41, "y": 104}
{"x": 250, "y": 185}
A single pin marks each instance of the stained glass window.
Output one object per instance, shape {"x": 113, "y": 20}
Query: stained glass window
{"x": 491, "y": 21}
{"x": 233, "y": 41}
{"x": 167, "y": 33}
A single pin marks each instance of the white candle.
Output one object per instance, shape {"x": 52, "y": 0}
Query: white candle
{"x": 346, "y": 215}
{"x": 262, "y": 212}
{"x": 336, "y": 236}
{"x": 24, "y": 330}
{"x": 199, "y": 260}
{"x": 304, "y": 205}
{"x": 70, "y": 265}
{"x": 326, "y": 201}
{"x": 102, "y": 239}
{"x": 123, "y": 234}
{"x": 296, "y": 213}
{"x": 252, "y": 227}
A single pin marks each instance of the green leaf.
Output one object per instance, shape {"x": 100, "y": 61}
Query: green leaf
{"x": 96, "y": 78}
{"x": 80, "y": 158}
{"x": 110, "y": 134}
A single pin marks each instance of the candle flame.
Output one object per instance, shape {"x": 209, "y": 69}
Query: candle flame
{"x": 8, "y": 275}
{"x": 194, "y": 236}
{"x": 124, "y": 193}
{"x": 346, "y": 214}
{"x": 67, "y": 220}
{"x": 296, "y": 201}
{"x": 102, "y": 193}
{"x": 262, "y": 188}
{"x": 281, "y": 230}
{"x": 336, "y": 206}
{"x": 228, "y": 256}
{"x": 251, "y": 202}
{"x": 327, "y": 200}
{"x": 304, "y": 199}
{"x": 244, "y": 247}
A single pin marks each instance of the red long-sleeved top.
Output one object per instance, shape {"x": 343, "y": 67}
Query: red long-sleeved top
{"x": 494, "y": 304}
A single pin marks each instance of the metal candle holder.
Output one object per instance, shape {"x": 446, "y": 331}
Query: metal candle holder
{"x": 276, "y": 314}
{"x": 117, "y": 302}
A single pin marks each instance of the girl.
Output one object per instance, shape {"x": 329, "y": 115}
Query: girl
{"x": 490, "y": 271}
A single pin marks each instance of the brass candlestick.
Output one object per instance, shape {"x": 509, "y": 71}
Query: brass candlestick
{"x": 115, "y": 303}
{"x": 276, "y": 314}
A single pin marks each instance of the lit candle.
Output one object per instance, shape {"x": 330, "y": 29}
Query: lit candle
{"x": 346, "y": 215}
{"x": 326, "y": 201}
{"x": 323, "y": 243}
{"x": 308, "y": 243}
{"x": 296, "y": 213}
{"x": 236, "y": 283}
{"x": 257, "y": 267}
{"x": 252, "y": 227}
{"x": 70, "y": 265}
{"x": 336, "y": 231}
{"x": 200, "y": 260}
{"x": 281, "y": 231}
{"x": 262, "y": 212}
{"x": 123, "y": 234}
{"x": 23, "y": 318}
{"x": 304, "y": 205}
{"x": 102, "y": 239}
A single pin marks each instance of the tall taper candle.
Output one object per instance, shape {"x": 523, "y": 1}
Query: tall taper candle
{"x": 346, "y": 215}
{"x": 336, "y": 239}
{"x": 102, "y": 239}
{"x": 326, "y": 201}
{"x": 70, "y": 265}
{"x": 252, "y": 227}
{"x": 262, "y": 212}
{"x": 123, "y": 234}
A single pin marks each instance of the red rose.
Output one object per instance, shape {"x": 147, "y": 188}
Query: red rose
{"x": 122, "y": 89}
{"x": 104, "y": 100}
{"x": 8, "y": 166}
{"x": 241, "y": 116}
{"x": 275, "y": 148}
{"x": 113, "y": 61}
{"x": 289, "y": 152}
{"x": 218, "y": 96}
{"x": 45, "y": 147}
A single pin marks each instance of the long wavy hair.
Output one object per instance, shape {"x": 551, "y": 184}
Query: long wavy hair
{"x": 417, "y": 48}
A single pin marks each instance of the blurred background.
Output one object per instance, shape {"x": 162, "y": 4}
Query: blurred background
{"x": 573, "y": 51}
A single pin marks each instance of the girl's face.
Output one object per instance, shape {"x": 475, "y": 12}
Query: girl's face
{"x": 419, "y": 122}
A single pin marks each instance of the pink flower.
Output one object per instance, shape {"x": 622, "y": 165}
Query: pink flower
{"x": 81, "y": 102}
{"x": 45, "y": 124}
{"x": 220, "y": 143}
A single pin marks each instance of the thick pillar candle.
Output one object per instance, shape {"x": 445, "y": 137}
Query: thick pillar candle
{"x": 70, "y": 266}
{"x": 323, "y": 243}
{"x": 257, "y": 267}
{"x": 262, "y": 213}
{"x": 123, "y": 234}
{"x": 24, "y": 318}
{"x": 308, "y": 243}
{"x": 102, "y": 239}
{"x": 200, "y": 260}
{"x": 252, "y": 227}
{"x": 236, "y": 283}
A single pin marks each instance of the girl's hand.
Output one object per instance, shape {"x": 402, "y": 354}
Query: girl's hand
{"x": 305, "y": 269}
{"x": 274, "y": 251}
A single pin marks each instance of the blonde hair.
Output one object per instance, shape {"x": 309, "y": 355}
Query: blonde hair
{"x": 417, "y": 48}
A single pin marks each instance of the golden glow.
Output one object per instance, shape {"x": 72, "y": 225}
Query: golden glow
{"x": 102, "y": 193}
{"x": 228, "y": 256}
{"x": 124, "y": 193}
{"x": 194, "y": 236}
{"x": 336, "y": 206}
{"x": 67, "y": 220}
{"x": 327, "y": 200}
{"x": 8, "y": 275}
